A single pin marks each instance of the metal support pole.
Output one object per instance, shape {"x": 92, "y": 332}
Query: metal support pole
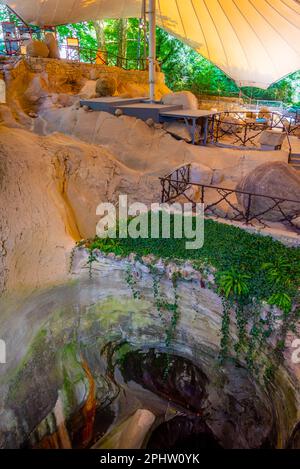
{"x": 145, "y": 30}
{"x": 152, "y": 48}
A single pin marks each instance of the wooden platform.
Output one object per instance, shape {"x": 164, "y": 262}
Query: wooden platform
{"x": 188, "y": 113}
{"x": 192, "y": 118}
{"x": 141, "y": 108}
{"x": 147, "y": 110}
{"x": 109, "y": 104}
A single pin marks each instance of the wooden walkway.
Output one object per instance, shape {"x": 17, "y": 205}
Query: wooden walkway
{"x": 141, "y": 108}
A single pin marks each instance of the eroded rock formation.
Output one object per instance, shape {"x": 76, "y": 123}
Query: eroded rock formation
{"x": 106, "y": 358}
{"x": 275, "y": 179}
{"x": 50, "y": 189}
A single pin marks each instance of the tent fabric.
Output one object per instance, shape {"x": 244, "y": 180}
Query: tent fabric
{"x": 255, "y": 42}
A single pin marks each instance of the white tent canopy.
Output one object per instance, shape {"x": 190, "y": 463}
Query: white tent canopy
{"x": 255, "y": 42}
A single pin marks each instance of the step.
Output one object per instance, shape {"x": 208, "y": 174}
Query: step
{"x": 295, "y": 160}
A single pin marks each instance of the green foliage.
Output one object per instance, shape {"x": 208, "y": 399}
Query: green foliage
{"x": 247, "y": 258}
{"x": 85, "y": 32}
{"x": 232, "y": 282}
{"x": 282, "y": 272}
{"x": 184, "y": 68}
{"x": 121, "y": 351}
{"x": 107, "y": 245}
{"x": 282, "y": 301}
{"x": 91, "y": 259}
{"x": 225, "y": 328}
{"x": 250, "y": 270}
{"x": 132, "y": 283}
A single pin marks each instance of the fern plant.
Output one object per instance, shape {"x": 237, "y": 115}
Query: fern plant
{"x": 282, "y": 272}
{"x": 108, "y": 245}
{"x": 233, "y": 283}
{"x": 282, "y": 300}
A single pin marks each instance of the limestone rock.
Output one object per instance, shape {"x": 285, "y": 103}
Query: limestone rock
{"x": 150, "y": 122}
{"x": 272, "y": 138}
{"x": 2, "y": 91}
{"x": 106, "y": 86}
{"x": 178, "y": 129}
{"x": 276, "y": 179}
{"x": 264, "y": 113}
{"x": 200, "y": 174}
{"x": 186, "y": 99}
{"x": 131, "y": 433}
{"x": 231, "y": 124}
{"x": 37, "y": 49}
{"x": 296, "y": 222}
{"x": 88, "y": 91}
{"x": 218, "y": 177}
{"x": 64, "y": 99}
{"x": 52, "y": 45}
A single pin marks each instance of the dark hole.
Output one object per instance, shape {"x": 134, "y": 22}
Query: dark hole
{"x": 183, "y": 433}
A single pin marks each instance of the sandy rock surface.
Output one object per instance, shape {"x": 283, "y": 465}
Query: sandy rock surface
{"x": 50, "y": 188}
{"x": 37, "y": 49}
{"x": 58, "y": 162}
{"x": 106, "y": 86}
{"x": 131, "y": 433}
{"x": 275, "y": 179}
{"x": 52, "y": 45}
{"x": 186, "y": 99}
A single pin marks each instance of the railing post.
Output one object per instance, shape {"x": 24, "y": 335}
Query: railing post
{"x": 212, "y": 129}
{"x": 163, "y": 183}
{"x": 217, "y": 134}
{"x": 247, "y": 215}
{"x": 202, "y": 194}
{"x": 245, "y": 135}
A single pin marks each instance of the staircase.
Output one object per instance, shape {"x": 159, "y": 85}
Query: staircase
{"x": 295, "y": 161}
{"x": 295, "y": 154}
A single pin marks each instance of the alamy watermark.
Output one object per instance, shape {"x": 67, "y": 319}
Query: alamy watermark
{"x": 2, "y": 352}
{"x": 138, "y": 220}
{"x": 296, "y": 352}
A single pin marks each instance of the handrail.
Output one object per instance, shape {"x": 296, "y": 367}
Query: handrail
{"x": 89, "y": 55}
{"x": 83, "y": 55}
{"x": 237, "y": 191}
{"x": 276, "y": 120}
{"x": 177, "y": 183}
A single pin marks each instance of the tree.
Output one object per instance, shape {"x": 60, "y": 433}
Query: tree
{"x": 122, "y": 41}
{"x": 184, "y": 68}
{"x": 99, "y": 27}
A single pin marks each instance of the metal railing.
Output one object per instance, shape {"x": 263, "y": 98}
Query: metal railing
{"x": 234, "y": 204}
{"x": 92, "y": 56}
{"x": 278, "y": 105}
{"x": 79, "y": 54}
{"x": 244, "y": 127}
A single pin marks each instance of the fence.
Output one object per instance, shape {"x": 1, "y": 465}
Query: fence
{"x": 233, "y": 204}
{"x": 78, "y": 54}
{"x": 278, "y": 105}
{"x": 244, "y": 127}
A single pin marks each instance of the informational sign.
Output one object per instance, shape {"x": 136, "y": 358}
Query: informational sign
{"x": 11, "y": 41}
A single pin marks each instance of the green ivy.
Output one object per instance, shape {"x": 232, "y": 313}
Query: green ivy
{"x": 251, "y": 270}
{"x": 132, "y": 283}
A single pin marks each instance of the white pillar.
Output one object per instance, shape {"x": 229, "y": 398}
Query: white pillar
{"x": 152, "y": 48}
